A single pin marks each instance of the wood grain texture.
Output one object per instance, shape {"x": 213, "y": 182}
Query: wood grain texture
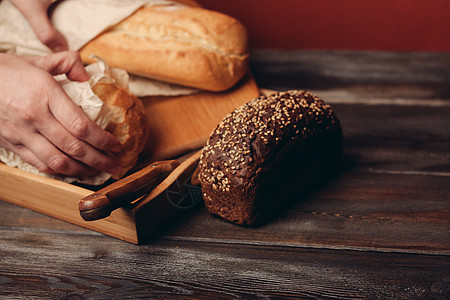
{"x": 175, "y": 269}
{"x": 328, "y": 70}
{"x": 397, "y": 138}
{"x": 357, "y": 210}
{"x": 60, "y": 200}
{"x": 183, "y": 123}
{"x": 380, "y": 230}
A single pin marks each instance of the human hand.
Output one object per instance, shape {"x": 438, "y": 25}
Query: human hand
{"x": 40, "y": 123}
{"x": 35, "y": 12}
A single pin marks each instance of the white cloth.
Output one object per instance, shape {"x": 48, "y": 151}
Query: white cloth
{"x": 80, "y": 21}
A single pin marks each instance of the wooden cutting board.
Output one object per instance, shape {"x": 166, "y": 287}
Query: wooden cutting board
{"x": 179, "y": 124}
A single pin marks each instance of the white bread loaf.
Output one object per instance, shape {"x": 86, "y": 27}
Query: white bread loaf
{"x": 189, "y": 46}
{"x": 129, "y": 122}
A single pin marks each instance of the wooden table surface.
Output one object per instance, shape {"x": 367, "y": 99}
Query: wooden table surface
{"x": 380, "y": 230}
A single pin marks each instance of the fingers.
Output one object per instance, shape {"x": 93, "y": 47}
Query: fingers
{"x": 51, "y": 149}
{"x": 76, "y": 122}
{"x": 40, "y": 153}
{"x": 55, "y": 161}
{"x": 36, "y": 14}
{"x": 40, "y": 123}
{"x": 70, "y": 130}
{"x": 68, "y": 114}
{"x": 27, "y": 156}
{"x": 39, "y": 139}
{"x": 66, "y": 62}
{"x": 78, "y": 155}
{"x": 32, "y": 159}
{"x": 48, "y": 159}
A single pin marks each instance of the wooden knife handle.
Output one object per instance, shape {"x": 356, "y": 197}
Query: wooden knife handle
{"x": 101, "y": 203}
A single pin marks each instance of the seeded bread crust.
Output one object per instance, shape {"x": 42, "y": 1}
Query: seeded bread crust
{"x": 260, "y": 150}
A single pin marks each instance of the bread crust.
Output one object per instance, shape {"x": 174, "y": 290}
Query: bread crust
{"x": 184, "y": 45}
{"x": 129, "y": 124}
{"x": 290, "y": 140}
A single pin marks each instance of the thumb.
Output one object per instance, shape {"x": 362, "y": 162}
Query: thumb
{"x": 36, "y": 14}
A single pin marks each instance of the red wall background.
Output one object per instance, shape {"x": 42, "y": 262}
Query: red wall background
{"x": 392, "y": 25}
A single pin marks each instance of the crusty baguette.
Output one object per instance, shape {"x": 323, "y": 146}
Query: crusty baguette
{"x": 184, "y": 45}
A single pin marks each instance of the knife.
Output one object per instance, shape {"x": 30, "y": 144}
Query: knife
{"x": 159, "y": 176}
{"x": 101, "y": 203}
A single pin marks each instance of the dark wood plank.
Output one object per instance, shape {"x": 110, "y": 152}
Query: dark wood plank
{"x": 392, "y": 75}
{"x": 19, "y": 218}
{"x": 397, "y": 137}
{"x": 91, "y": 267}
{"x": 367, "y": 211}
{"x": 357, "y": 210}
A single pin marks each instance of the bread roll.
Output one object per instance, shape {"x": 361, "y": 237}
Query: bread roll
{"x": 129, "y": 123}
{"x": 267, "y": 151}
{"x": 190, "y": 46}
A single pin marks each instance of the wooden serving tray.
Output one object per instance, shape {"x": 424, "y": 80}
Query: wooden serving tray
{"x": 179, "y": 125}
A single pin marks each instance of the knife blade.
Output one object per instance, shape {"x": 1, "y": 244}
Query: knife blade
{"x": 181, "y": 189}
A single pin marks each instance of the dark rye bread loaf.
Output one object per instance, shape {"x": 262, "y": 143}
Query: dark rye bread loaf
{"x": 267, "y": 152}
